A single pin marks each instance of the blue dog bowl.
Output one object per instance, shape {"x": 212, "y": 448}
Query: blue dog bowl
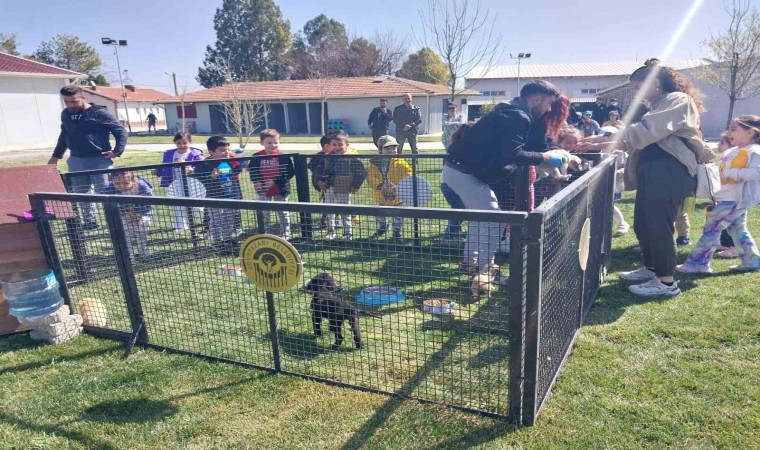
{"x": 380, "y": 295}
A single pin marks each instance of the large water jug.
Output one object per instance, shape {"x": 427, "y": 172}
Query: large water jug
{"x": 31, "y": 293}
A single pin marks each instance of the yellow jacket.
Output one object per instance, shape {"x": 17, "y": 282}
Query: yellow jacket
{"x": 398, "y": 169}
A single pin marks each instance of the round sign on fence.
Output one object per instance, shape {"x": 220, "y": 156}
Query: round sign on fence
{"x": 583, "y": 243}
{"x": 271, "y": 263}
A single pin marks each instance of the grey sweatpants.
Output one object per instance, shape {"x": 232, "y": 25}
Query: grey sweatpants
{"x": 482, "y": 237}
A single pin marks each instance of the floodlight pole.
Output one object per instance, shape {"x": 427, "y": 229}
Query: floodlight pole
{"x": 519, "y": 58}
{"x": 115, "y": 43}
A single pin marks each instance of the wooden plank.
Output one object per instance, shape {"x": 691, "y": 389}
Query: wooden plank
{"x": 21, "y": 255}
{"x": 20, "y": 245}
{"x": 9, "y": 324}
{"x": 11, "y": 267}
{"x": 13, "y": 230}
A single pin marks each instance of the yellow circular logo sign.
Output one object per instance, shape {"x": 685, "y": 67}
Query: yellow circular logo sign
{"x": 271, "y": 263}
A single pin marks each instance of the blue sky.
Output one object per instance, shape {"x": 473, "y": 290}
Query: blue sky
{"x": 171, "y": 36}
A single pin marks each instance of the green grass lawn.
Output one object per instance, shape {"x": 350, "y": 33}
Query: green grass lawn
{"x": 680, "y": 372}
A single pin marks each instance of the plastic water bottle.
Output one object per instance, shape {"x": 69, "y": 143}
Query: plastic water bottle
{"x": 239, "y": 153}
{"x": 32, "y": 293}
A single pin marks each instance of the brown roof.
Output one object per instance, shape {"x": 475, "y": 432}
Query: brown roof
{"x": 16, "y": 64}
{"x": 134, "y": 93}
{"x": 355, "y": 87}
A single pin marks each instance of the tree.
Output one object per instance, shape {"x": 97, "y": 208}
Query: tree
{"x": 392, "y": 48}
{"x": 69, "y": 52}
{"x": 243, "y": 112}
{"x": 425, "y": 65}
{"x": 463, "y": 36}
{"x": 99, "y": 80}
{"x": 361, "y": 60}
{"x": 321, "y": 47}
{"x": 9, "y": 43}
{"x": 254, "y": 37}
{"x": 735, "y": 56}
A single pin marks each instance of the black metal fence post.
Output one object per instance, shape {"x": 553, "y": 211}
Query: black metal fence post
{"x": 522, "y": 188}
{"x": 517, "y": 278}
{"x": 188, "y": 209}
{"x": 272, "y": 320}
{"x": 75, "y": 234}
{"x": 534, "y": 235}
{"x": 415, "y": 201}
{"x": 302, "y": 191}
{"x": 48, "y": 246}
{"x": 127, "y": 275}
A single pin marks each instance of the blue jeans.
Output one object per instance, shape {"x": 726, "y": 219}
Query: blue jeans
{"x": 88, "y": 184}
{"x": 454, "y": 228}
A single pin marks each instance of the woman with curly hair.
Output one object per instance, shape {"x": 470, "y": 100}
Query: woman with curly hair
{"x": 664, "y": 150}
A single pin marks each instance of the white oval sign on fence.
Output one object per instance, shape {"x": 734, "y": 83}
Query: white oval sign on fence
{"x": 583, "y": 244}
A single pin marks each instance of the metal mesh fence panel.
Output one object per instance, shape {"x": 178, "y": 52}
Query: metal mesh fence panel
{"x": 422, "y": 332}
{"x": 565, "y": 290}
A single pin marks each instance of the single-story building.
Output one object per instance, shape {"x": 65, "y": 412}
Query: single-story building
{"x": 30, "y": 102}
{"x": 293, "y": 106}
{"x": 716, "y": 102}
{"x": 584, "y": 82}
{"x": 140, "y": 103}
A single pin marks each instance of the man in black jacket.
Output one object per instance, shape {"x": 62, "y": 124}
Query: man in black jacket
{"x": 379, "y": 120}
{"x": 488, "y": 152}
{"x": 85, "y": 130}
{"x": 407, "y": 118}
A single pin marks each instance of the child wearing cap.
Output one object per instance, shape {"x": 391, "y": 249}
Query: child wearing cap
{"x": 383, "y": 175}
{"x": 589, "y": 126}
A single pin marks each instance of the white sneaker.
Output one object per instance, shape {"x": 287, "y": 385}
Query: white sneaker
{"x": 347, "y": 237}
{"x": 330, "y": 235}
{"x": 691, "y": 268}
{"x": 640, "y": 274}
{"x": 237, "y": 232}
{"x": 655, "y": 288}
{"x": 622, "y": 229}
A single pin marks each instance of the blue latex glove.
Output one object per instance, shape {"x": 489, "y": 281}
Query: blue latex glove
{"x": 555, "y": 161}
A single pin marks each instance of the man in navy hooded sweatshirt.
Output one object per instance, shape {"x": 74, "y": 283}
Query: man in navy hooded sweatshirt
{"x": 85, "y": 130}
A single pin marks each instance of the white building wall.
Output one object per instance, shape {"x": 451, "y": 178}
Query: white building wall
{"x": 570, "y": 86}
{"x": 30, "y": 112}
{"x": 202, "y": 122}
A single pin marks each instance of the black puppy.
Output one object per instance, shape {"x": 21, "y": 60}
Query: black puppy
{"x": 325, "y": 304}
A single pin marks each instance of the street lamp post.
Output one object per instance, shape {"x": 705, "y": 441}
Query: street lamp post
{"x": 116, "y": 44}
{"x": 519, "y": 58}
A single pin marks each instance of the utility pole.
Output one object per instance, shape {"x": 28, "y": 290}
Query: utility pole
{"x": 181, "y": 100}
{"x": 519, "y": 58}
{"x": 116, "y": 44}
{"x": 174, "y": 78}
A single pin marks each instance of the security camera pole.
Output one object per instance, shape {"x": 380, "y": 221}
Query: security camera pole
{"x": 116, "y": 44}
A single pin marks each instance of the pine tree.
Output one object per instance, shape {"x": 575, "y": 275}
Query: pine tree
{"x": 69, "y": 52}
{"x": 252, "y": 38}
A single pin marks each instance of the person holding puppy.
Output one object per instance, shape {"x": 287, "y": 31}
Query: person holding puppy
{"x": 383, "y": 175}
{"x": 488, "y": 153}
{"x": 342, "y": 176}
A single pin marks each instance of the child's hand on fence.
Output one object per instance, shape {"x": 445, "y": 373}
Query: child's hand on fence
{"x": 133, "y": 217}
{"x": 189, "y": 169}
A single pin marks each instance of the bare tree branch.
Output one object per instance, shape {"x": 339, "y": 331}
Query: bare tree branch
{"x": 735, "y": 55}
{"x": 243, "y": 112}
{"x": 464, "y": 35}
{"x": 393, "y": 48}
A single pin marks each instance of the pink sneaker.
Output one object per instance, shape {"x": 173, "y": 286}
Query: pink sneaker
{"x": 692, "y": 268}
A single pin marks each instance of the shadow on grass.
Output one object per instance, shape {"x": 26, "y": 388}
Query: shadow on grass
{"x": 24, "y": 342}
{"x": 53, "y": 430}
{"x": 137, "y": 410}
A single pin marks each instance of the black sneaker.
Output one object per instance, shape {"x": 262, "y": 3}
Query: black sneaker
{"x": 381, "y": 232}
{"x": 91, "y": 226}
{"x": 396, "y": 234}
{"x": 683, "y": 240}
